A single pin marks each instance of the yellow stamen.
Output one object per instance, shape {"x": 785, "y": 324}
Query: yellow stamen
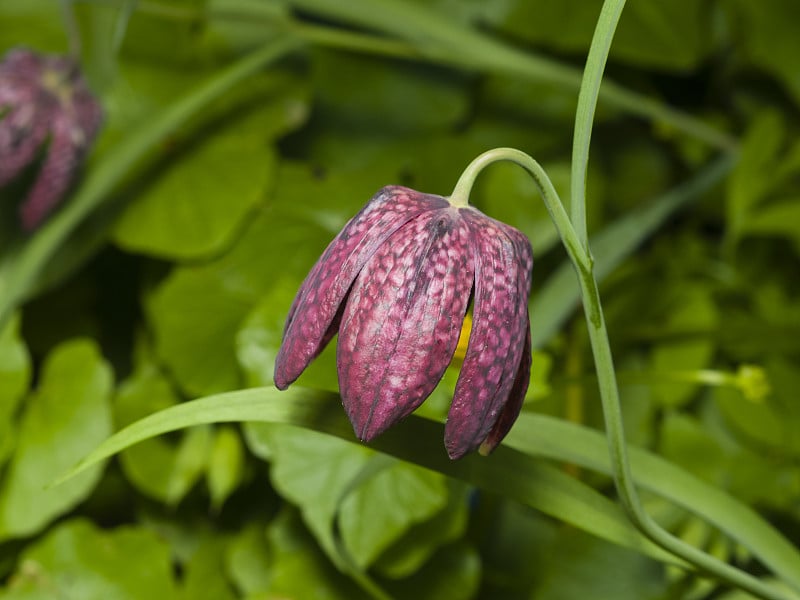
{"x": 463, "y": 339}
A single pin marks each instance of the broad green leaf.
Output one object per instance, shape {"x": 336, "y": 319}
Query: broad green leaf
{"x": 225, "y": 465}
{"x": 247, "y": 560}
{"x": 408, "y": 554}
{"x": 299, "y": 569}
{"x": 314, "y": 472}
{"x": 15, "y": 373}
{"x": 195, "y": 207}
{"x": 67, "y": 415}
{"x": 79, "y": 561}
{"x": 266, "y": 265}
{"x": 195, "y": 204}
{"x": 383, "y": 508}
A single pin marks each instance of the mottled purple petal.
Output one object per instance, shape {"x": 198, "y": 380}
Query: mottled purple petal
{"x": 403, "y": 319}
{"x": 308, "y": 325}
{"x": 21, "y": 138}
{"x": 516, "y": 397}
{"x": 54, "y": 177}
{"x": 503, "y": 261}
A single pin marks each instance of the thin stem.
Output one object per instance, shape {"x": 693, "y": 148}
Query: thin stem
{"x": 604, "y": 365}
{"x": 584, "y": 115}
{"x": 623, "y": 477}
{"x": 460, "y": 195}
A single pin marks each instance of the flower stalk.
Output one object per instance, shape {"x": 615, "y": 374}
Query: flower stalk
{"x": 604, "y": 366}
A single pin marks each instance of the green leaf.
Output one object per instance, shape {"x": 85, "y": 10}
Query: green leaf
{"x": 298, "y": 569}
{"x": 196, "y": 203}
{"x": 225, "y": 465}
{"x": 155, "y": 466}
{"x": 304, "y": 214}
{"x": 408, "y": 554}
{"x": 314, "y": 472}
{"x": 247, "y": 560}
{"x": 380, "y": 510}
{"x": 68, "y": 414}
{"x": 15, "y": 374}
{"x": 78, "y": 561}
{"x": 509, "y": 472}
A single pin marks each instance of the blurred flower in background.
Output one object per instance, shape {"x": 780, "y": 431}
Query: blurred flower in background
{"x": 396, "y": 284}
{"x": 46, "y": 112}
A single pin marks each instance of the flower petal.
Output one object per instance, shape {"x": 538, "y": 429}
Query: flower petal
{"x": 503, "y": 261}
{"x": 516, "y": 397}
{"x": 57, "y": 171}
{"x": 21, "y": 137}
{"x": 311, "y": 321}
{"x": 403, "y": 319}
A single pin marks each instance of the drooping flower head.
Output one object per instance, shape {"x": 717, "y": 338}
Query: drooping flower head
{"x": 396, "y": 284}
{"x": 45, "y": 106}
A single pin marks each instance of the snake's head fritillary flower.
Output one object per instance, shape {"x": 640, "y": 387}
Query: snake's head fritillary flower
{"x": 396, "y": 285}
{"x": 45, "y": 109}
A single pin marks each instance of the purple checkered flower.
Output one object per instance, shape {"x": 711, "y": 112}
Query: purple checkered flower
{"x": 45, "y": 109}
{"x": 396, "y": 285}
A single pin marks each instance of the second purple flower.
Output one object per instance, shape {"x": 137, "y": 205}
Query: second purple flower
{"x": 45, "y": 109}
{"x": 396, "y": 284}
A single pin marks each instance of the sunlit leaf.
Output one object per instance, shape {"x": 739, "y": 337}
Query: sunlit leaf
{"x": 79, "y": 561}
{"x": 67, "y": 415}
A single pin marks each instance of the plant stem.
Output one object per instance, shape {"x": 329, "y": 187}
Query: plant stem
{"x": 604, "y": 366}
{"x": 584, "y": 115}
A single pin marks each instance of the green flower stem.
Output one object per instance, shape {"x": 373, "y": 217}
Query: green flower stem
{"x": 584, "y": 115}
{"x": 460, "y": 195}
{"x": 604, "y": 366}
{"x": 19, "y": 269}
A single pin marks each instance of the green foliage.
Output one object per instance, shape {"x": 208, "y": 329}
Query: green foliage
{"x": 239, "y": 137}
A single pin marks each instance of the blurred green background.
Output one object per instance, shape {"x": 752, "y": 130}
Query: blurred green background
{"x": 169, "y": 270}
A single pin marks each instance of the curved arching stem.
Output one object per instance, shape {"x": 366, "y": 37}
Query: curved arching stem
{"x": 604, "y": 366}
